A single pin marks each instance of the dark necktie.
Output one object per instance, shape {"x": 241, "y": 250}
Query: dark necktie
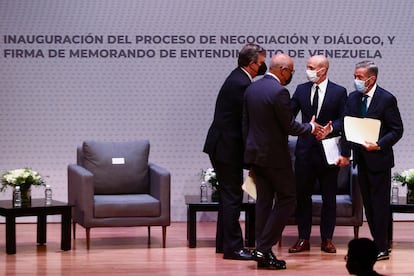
{"x": 364, "y": 105}
{"x": 315, "y": 101}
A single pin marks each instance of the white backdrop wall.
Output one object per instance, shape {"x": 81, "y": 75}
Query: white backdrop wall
{"x": 63, "y": 88}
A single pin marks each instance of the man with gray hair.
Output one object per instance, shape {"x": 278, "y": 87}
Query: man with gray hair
{"x": 375, "y": 158}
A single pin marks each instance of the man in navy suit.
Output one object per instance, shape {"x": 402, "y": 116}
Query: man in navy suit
{"x": 224, "y": 145}
{"x": 326, "y": 101}
{"x": 375, "y": 158}
{"x": 267, "y": 122}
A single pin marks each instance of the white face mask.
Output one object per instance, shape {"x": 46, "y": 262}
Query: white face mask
{"x": 312, "y": 75}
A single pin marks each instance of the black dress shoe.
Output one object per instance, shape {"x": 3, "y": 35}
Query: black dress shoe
{"x": 268, "y": 260}
{"x": 383, "y": 255}
{"x": 273, "y": 256}
{"x": 242, "y": 255}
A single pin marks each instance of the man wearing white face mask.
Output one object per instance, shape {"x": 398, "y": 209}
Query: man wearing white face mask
{"x": 326, "y": 100}
{"x": 375, "y": 159}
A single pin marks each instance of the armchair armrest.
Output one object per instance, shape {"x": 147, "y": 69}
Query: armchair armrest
{"x": 356, "y": 194}
{"x": 160, "y": 188}
{"x": 80, "y": 192}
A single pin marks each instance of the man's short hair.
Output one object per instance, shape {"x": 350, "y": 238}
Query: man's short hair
{"x": 371, "y": 67}
{"x": 250, "y": 52}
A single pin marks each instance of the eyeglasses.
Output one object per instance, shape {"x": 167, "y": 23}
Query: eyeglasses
{"x": 292, "y": 71}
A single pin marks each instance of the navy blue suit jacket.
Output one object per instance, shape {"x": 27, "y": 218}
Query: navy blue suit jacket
{"x": 267, "y": 122}
{"x": 332, "y": 109}
{"x": 224, "y": 140}
{"x": 383, "y": 107}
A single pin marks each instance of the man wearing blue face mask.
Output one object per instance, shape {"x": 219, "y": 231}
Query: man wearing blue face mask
{"x": 375, "y": 159}
{"x": 325, "y": 100}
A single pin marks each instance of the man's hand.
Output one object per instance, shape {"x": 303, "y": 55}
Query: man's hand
{"x": 326, "y": 130}
{"x": 342, "y": 161}
{"x": 317, "y": 128}
{"x": 369, "y": 146}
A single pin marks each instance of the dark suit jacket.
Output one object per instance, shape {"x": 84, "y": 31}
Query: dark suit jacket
{"x": 332, "y": 109}
{"x": 224, "y": 140}
{"x": 383, "y": 107}
{"x": 267, "y": 122}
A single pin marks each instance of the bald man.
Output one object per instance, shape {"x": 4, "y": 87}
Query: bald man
{"x": 325, "y": 100}
{"x": 267, "y": 122}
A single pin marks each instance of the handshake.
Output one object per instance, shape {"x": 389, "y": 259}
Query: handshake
{"x": 319, "y": 131}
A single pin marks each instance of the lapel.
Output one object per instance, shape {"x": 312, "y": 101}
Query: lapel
{"x": 374, "y": 101}
{"x": 327, "y": 98}
{"x": 308, "y": 98}
{"x": 355, "y": 103}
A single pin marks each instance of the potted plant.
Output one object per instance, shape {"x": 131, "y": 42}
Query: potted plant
{"x": 24, "y": 178}
{"x": 209, "y": 176}
{"x": 406, "y": 178}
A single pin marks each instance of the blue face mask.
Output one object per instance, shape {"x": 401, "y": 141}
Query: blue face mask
{"x": 360, "y": 85}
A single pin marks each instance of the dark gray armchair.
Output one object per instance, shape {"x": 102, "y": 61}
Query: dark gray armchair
{"x": 113, "y": 185}
{"x": 349, "y": 207}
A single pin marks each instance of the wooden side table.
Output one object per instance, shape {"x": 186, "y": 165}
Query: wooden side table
{"x": 41, "y": 210}
{"x": 194, "y": 205}
{"x": 400, "y": 207}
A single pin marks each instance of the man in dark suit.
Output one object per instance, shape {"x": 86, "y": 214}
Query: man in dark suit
{"x": 224, "y": 145}
{"x": 326, "y": 101}
{"x": 375, "y": 158}
{"x": 267, "y": 122}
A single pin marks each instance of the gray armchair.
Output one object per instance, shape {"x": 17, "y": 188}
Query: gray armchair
{"x": 113, "y": 185}
{"x": 349, "y": 207}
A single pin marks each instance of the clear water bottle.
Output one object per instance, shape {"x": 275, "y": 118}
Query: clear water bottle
{"x": 48, "y": 195}
{"x": 394, "y": 193}
{"x": 17, "y": 197}
{"x": 203, "y": 192}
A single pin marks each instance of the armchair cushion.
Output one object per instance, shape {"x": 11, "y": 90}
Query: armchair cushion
{"x": 343, "y": 197}
{"x": 126, "y": 174}
{"x": 348, "y": 197}
{"x": 343, "y": 205}
{"x": 134, "y": 205}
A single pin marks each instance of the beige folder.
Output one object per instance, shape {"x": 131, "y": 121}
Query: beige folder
{"x": 250, "y": 187}
{"x": 359, "y": 130}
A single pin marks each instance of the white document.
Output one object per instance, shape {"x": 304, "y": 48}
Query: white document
{"x": 360, "y": 130}
{"x": 250, "y": 187}
{"x": 332, "y": 149}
